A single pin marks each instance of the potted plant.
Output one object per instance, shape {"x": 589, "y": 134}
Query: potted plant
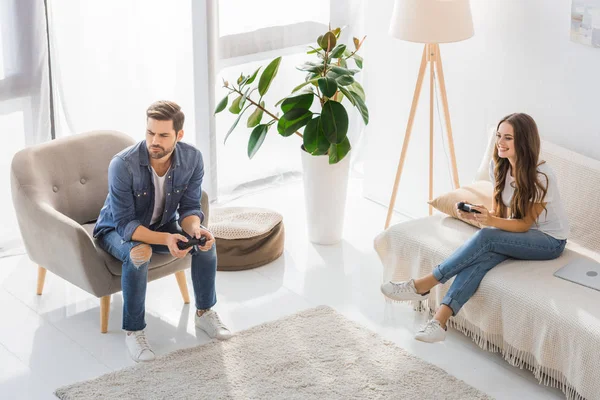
{"x": 322, "y": 124}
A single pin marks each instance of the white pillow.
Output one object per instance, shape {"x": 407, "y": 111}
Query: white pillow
{"x": 483, "y": 173}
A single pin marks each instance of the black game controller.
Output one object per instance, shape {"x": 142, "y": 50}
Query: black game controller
{"x": 192, "y": 242}
{"x": 466, "y": 207}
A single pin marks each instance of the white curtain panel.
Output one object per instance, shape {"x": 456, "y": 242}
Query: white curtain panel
{"x": 113, "y": 58}
{"x": 24, "y": 97}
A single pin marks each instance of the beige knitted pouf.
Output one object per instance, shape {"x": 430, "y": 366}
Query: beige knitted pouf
{"x": 246, "y": 237}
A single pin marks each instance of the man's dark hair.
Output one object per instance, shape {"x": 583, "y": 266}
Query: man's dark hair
{"x": 164, "y": 110}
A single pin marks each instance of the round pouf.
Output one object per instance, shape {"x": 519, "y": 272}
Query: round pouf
{"x": 246, "y": 237}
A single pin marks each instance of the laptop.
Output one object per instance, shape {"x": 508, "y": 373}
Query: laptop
{"x": 582, "y": 271}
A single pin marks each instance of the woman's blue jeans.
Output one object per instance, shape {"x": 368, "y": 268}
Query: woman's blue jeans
{"x": 486, "y": 249}
{"x": 134, "y": 279}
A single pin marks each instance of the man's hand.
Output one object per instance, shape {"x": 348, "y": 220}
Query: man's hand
{"x": 198, "y": 231}
{"x": 172, "y": 240}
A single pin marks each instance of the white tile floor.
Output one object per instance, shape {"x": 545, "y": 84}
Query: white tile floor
{"x": 51, "y": 340}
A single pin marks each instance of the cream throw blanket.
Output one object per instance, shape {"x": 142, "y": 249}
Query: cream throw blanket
{"x": 537, "y": 321}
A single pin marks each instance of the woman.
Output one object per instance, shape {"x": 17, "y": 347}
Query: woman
{"x": 527, "y": 222}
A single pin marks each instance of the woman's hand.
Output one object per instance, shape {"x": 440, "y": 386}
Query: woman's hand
{"x": 467, "y": 216}
{"x": 485, "y": 218}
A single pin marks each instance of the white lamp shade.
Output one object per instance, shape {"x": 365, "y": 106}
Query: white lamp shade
{"x": 431, "y": 21}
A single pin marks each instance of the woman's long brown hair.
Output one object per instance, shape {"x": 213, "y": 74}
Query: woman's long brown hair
{"x": 528, "y": 187}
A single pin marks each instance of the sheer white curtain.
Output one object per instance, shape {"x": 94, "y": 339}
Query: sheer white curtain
{"x": 24, "y": 96}
{"x": 112, "y": 59}
{"x": 251, "y": 34}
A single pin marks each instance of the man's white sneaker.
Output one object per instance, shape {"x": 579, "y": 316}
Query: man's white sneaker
{"x": 431, "y": 332}
{"x": 138, "y": 346}
{"x": 210, "y": 323}
{"x": 402, "y": 291}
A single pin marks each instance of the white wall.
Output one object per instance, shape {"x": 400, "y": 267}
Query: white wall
{"x": 521, "y": 59}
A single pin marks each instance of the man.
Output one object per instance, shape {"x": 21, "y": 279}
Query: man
{"x": 154, "y": 190}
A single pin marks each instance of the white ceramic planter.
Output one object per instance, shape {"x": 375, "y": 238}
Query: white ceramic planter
{"x": 325, "y": 188}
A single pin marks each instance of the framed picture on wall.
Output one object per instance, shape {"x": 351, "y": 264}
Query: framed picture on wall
{"x": 585, "y": 22}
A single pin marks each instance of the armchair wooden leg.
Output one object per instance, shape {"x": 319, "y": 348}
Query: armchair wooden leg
{"x": 104, "y": 312}
{"x": 180, "y": 275}
{"x": 41, "y": 279}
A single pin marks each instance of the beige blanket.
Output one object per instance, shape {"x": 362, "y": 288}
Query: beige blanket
{"x": 537, "y": 321}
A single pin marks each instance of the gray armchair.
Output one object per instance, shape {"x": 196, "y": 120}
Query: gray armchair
{"x": 58, "y": 189}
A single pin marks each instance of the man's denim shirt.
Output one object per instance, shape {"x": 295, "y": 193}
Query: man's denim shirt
{"x": 130, "y": 200}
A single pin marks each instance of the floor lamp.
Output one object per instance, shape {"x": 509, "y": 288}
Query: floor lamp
{"x": 430, "y": 22}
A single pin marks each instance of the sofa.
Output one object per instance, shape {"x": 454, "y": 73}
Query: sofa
{"x": 535, "y": 320}
{"x": 58, "y": 189}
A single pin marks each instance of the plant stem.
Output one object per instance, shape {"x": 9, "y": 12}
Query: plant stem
{"x": 262, "y": 108}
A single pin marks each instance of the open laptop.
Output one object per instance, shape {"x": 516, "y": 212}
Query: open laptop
{"x": 582, "y": 271}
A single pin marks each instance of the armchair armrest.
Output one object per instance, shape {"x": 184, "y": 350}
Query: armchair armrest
{"x": 62, "y": 246}
{"x": 205, "y": 205}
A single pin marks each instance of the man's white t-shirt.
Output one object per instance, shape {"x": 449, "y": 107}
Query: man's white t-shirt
{"x": 159, "y": 196}
{"x": 554, "y": 222}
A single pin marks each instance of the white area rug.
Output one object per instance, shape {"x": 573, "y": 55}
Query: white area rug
{"x": 315, "y": 354}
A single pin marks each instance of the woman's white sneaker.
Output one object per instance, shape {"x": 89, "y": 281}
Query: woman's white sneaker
{"x": 402, "y": 291}
{"x": 431, "y": 332}
{"x": 210, "y": 323}
{"x": 138, "y": 346}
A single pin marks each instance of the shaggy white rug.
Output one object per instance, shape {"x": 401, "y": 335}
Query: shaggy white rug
{"x": 315, "y": 354}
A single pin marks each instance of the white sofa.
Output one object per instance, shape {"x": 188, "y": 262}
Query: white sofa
{"x": 537, "y": 321}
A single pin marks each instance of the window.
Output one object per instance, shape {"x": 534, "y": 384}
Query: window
{"x": 251, "y": 34}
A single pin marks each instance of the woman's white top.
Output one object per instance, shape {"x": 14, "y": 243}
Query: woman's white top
{"x": 554, "y": 222}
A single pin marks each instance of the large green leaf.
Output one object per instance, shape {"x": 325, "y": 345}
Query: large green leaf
{"x": 311, "y": 75}
{"x": 358, "y": 60}
{"x": 314, "y": 140}
{"x": 311, "y": 67}
{"x": 314, "y": 80}
{"x": 300, "y": 86}
{"x": 338, "y": 151}
{"x": 348, "y": 95}
{"x": 328, "y": 41}
{"x": 234, "y": 125}
{"x": 253, "y": 76}
{"x": 362, "y": 107}
{"x": 244, "y": 97}
{"x": 268, "y": 75}
{"x": 301, "y": 100}
{"x": 256, "y": 116}
{"x": 328, "y": 86}
{"x": 345, "y": 80}
{"x": 334, "y": 118}
{"x": 293, "y": 120}
{"x": 222, "y": 104}
{"x": 338, "y": 51}
{"x": 358, "y": 89}
{"x": 341, "y": 70}
{"x": 235, "y": 106}
{"x": 257, "y": 137}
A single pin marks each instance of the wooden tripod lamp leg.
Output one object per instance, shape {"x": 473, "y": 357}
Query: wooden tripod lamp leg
{"x": 440, "y": 72}
{"x": 431, "y": 57}
{"x": 411, "y": 118}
